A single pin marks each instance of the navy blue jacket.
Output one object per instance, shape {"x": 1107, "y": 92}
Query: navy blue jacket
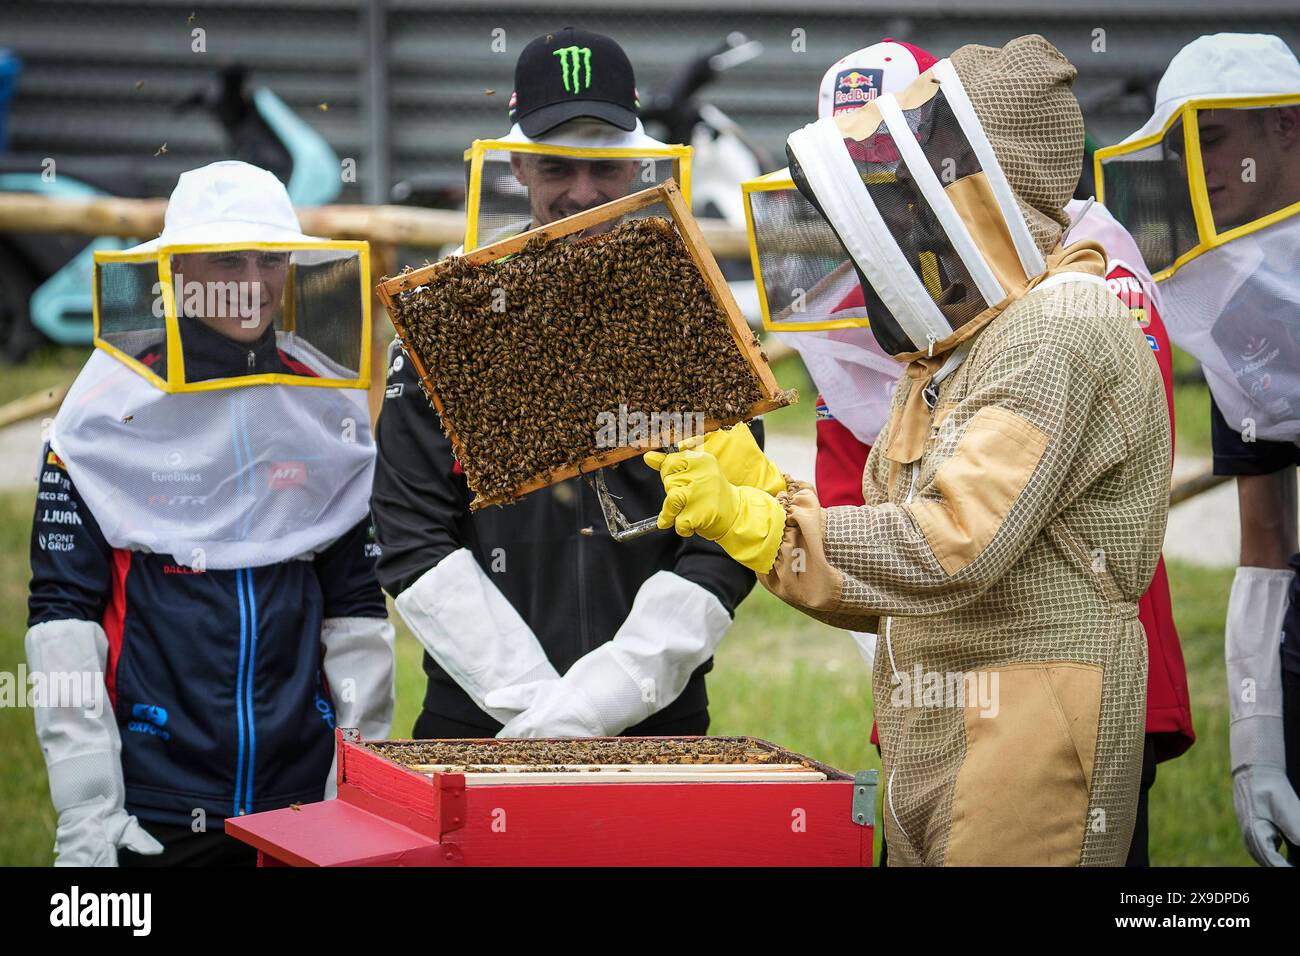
{"x": 214, "y": 676}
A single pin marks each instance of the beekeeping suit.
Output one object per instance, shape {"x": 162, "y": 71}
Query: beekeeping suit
{"x": 1016, "y": 499}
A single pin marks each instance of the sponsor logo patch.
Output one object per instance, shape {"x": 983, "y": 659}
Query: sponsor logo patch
{"x": 56, "y": 541}
{"x": 288, "y": 474}
{"x": 149, "y": 719}
{"x": 855, "y": 88}
{"x": 49, "y": 516}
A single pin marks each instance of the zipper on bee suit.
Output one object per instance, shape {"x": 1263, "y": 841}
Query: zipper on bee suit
{"x": 931, "y": 396}
{"x": 898, "y": 678}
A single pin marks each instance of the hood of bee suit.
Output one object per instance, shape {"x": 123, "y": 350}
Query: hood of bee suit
{"x": 227, "y": 201}
{"x": 187, "y": 439}
{"x": 497, "y": 202}
{"x": 949, "y": 197}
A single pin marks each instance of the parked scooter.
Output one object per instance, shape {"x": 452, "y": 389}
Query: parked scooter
{"x": 724, "y": 155}
{"x": 45, "y": 278}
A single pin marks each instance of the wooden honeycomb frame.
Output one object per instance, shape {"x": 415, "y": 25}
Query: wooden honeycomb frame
{"x": 669, "y": 195}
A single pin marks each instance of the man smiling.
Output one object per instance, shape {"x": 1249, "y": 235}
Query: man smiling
{"x": 506, "y": 600}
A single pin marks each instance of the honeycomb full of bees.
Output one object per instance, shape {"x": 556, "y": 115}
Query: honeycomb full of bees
{"x": 548, "y": 754}
{"x": 529, "y": 354}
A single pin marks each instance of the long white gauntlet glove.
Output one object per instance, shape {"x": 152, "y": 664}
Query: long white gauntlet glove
{"x": 674, "y": 627}
{"x": 359, "y": 666}
{"x": 472, "y": 631}
{"x": 1267, "y": 805}
{"x": 82, "y": 748}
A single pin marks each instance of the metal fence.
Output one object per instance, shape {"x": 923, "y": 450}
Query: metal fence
{"x": 101, "y": 77}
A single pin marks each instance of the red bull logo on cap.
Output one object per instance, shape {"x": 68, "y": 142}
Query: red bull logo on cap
{"x": 855, "y": 88}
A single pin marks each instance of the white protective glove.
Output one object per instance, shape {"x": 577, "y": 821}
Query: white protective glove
{"x": 674, "y": 627}
{"x": 360, "y": 669}
{"x": 472, "y": 631}
{"x": 866, "y": 642}
{"x": 82, "y": 747}
{"x": 1267, "y": 805}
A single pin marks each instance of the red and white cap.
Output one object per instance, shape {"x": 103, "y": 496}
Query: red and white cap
{"x": 857, "y": 79}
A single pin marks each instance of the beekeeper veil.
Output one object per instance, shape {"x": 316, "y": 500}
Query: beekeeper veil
{"x": 949, "y": 195}
{"x": 222, "y": 417}
{"x": 1210, "y": 190}
{"x": 518, "y": 182}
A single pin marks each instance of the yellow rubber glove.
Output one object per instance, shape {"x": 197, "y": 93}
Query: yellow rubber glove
{"x": 742, "y": 461}
{"x": 698, "y": 499}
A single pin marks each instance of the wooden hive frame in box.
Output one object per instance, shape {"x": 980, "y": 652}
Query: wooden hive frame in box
{"x": 667, "y": 194}
{"x": 388, "y": 813}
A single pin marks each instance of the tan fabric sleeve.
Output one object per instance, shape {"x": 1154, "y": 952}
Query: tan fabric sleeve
{"x": 802, "y": 577}
{"x": 978, "y": 485}
{"x": 987, "y": 490}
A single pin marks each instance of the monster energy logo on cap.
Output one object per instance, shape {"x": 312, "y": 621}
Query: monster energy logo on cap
{"x": 545, "y": 97}
{"x": 573, "y": 59}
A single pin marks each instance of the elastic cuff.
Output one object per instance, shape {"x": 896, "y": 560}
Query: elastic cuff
{"x": 617, "y": 699}
{"x": 85, "y": 777}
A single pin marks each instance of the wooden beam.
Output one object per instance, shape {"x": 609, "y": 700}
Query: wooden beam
{"x": 1195, "y": 485}
{"x": 398, "y": 225}
{"x": 44, "y": 402}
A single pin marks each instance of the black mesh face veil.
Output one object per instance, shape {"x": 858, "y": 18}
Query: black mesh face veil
{"x": 1218, "y": 169}
{"x": 883, "y": 182}
{"x": 884, "y": 326}
{"x": 804, "y": 279}
{"x": 293, "y": 313}
{"x": 1148, "y": 191}
{"x": 516, "y": 186}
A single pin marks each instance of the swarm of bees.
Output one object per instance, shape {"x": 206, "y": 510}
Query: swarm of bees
{"x": 557, "y": 754}
{"x": 525, "y": 353}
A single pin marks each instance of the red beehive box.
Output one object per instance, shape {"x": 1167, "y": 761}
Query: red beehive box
{"x": 389, "y": 814}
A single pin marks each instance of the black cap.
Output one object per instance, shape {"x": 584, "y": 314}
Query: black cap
{"x": 572, "y": 73}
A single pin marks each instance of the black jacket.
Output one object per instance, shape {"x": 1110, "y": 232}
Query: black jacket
{"x": 573, "y": 590}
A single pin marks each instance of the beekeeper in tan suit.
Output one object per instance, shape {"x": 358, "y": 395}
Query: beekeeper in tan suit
{"x": 1016, "y": 500}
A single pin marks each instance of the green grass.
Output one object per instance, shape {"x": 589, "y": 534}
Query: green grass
{"x": 778, "y": 675}
{"x": 799, "y": 418}
{"x": 47, "y": 368}
{"x": 1191, "y": 409}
